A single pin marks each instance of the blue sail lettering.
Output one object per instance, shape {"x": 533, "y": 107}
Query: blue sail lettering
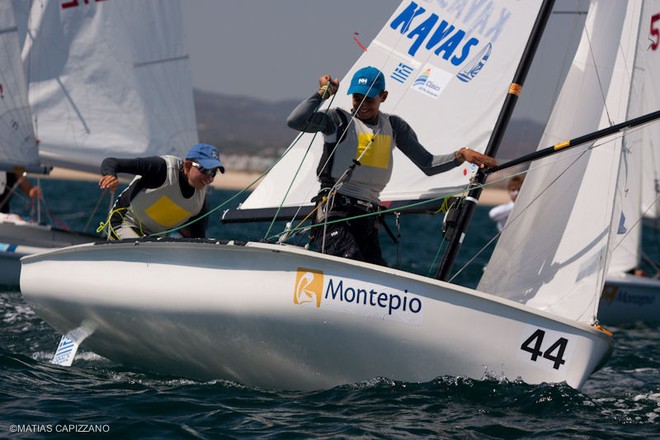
{"x": 440, "y": 36}
{"x": 442, "y": 32}
{"x": 406, "y": 17}
{"x": 421, "y": 32}
{"x": 449, "y": 46}
{"x": 457, "y": 60}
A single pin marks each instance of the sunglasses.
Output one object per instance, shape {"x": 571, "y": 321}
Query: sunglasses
{"x": 210, "y": 173}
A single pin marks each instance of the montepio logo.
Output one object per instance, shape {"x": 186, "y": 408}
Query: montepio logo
{"x": 356, "y": 297}
{"x": 309, "y": 286}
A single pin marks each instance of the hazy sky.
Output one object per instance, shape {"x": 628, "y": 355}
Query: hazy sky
{"x": 277, "y": 49}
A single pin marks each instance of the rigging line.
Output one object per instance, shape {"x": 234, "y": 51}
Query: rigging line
{"x": 512, "y": 220}
{"x": 286, "y": 193}
{"x": 91, "y": 216}
{"x": 562, "y": 146}
{"x": 293, "y": 179}
{"x": 345, "y": 177}
{"x": 494, "y": 238}
{"x": 598, "y": 80}
{"x": 388, "y": 210}
{"x": 221, "y": 205}
{"x": 348, "y": 125}
{"x": 637, "y": 222}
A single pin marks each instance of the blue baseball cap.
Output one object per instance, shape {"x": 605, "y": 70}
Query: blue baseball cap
{"x": 206, "y": 155}
{"x": 367, "y": 81}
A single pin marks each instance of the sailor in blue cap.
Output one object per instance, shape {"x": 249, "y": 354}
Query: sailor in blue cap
{"x": 367, "y": 137}
{"x": 166, "y": 193}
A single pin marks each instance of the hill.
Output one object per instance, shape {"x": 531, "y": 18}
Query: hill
{"x": 251, "y": 132}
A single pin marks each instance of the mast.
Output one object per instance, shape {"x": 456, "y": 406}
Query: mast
{"x": 466, "y": 211}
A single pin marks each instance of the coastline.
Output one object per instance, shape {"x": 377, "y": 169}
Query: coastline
{"x": 237, "y": 180}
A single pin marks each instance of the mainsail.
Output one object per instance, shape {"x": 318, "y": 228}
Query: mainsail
{"x": 18, "y": 146}
{"x": 446, "y": 65}
{"x": 568, "y": 202}
{"x": 107, "y": 79}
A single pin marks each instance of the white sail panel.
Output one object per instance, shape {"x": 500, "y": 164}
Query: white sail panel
{"x": 448, "y": 67}
{"x": 108, "y": 79}
{"x": 639, "y": 184}
{"x": 650, "y": 101}
{"x": 18, "y": 146}
{"x": 556, "y": 258}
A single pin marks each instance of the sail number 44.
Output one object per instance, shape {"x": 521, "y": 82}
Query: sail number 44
{"x": 539, "y": 348}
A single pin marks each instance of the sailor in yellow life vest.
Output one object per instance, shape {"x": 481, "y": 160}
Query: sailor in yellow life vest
{"x": 166, "y": 193}
{"x": 368, "y": 136}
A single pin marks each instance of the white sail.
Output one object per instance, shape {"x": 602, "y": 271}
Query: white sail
{"x": 108, "y": 79}
{"x": 105, "y": 78}
{"x": 641, "y": 165}
{"x": 18, "y": 146}
{"x": 556, "y": 258}
{"x": 448, "y": 67}
{"x": 628, "y": 295}
{"x": 650, "y": 101}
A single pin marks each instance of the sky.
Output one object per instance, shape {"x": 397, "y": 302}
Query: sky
{"x": 277, "y": 49}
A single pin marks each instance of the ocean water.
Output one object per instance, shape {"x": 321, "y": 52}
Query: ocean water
{"x": 96, "y": 398}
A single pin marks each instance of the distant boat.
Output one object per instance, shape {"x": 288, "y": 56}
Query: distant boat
{"x": 105, "y": 79}
{"x": 280, "y": 316}
{"x": 628, "y": 297}
{"x": 19, "y": 153}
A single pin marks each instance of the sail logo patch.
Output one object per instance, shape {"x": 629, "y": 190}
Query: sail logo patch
{"x": 309, "y": 287}
{"x": 432, "y": 81}
{"x": 474, "y": 66}
{"x": 402, "y": 72}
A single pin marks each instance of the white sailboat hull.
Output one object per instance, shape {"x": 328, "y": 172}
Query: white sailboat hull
{"x": 282, "y": 317}
{"x": 19, "y": 238}
{"x": 628, "y": 298}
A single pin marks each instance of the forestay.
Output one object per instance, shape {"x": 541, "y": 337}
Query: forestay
{"x": 448, "y": 67}
{"x": 107, "y": 79}
{"x": 18, "y": 146}
{"x": 559, "y": 230}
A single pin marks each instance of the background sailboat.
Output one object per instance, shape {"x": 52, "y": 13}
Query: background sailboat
{"x": 105, "y": 79}
{"x": 281, "y": 316}
{"x": 628, "y": 297}
{"x": 19, "y": 153}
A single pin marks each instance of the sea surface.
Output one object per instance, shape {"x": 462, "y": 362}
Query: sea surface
{"x": 96, "y": 398}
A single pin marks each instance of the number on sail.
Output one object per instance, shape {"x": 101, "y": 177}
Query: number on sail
{"x": 655, "y": 34}
{"x": 554, "y": 353}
